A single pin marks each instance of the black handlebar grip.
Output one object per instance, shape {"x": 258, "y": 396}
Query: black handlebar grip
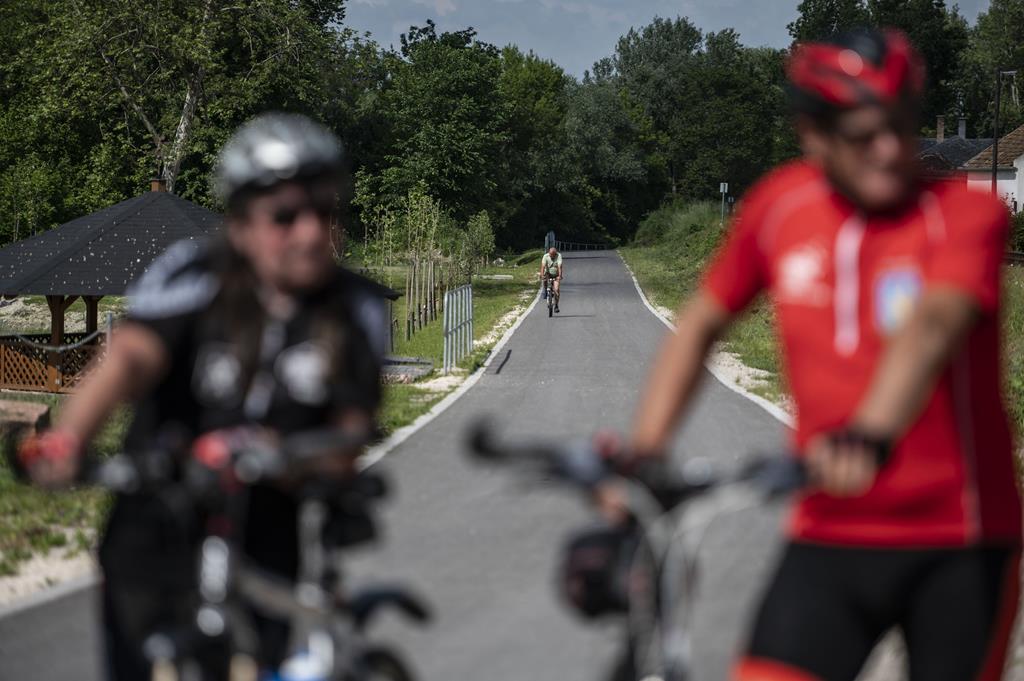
{"x": 777, "y": 475}
{"x": 882, "y": 447}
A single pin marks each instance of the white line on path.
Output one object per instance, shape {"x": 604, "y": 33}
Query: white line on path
{"x": 375, "y": 454}
{"x": 769, "y": 407}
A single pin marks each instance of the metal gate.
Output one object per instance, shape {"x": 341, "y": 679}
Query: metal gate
{"x": 458, "y": 325}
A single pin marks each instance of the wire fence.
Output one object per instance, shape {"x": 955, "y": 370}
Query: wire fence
{"x": 458, "y": 326}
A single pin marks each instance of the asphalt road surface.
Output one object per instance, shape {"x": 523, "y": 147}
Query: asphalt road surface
{"x": 483, "y": 548}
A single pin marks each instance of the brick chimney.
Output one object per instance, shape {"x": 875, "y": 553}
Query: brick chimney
{"x": 962, "y": 128}
{"x": 158, "y": 184}
{"x": 940, "y": 129}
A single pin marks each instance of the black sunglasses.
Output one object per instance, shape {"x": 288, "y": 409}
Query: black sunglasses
{"x": 285, "y": 216}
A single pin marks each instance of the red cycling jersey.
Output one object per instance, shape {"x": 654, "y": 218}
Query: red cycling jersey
{"x": 841, "y": 282}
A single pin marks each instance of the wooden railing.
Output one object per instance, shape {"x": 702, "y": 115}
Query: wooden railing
{"x": 24, "y": 366}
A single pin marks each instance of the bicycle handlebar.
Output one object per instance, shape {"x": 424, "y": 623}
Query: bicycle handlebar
{"x": 250, "y": 460}
{"x": 580, "y": 464}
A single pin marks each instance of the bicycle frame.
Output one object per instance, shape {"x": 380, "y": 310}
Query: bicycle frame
{"x": 321, "y": 619}
{"x": 322, "y": 615}
{"x": 549, "y": 293}
{"x": 674, "y": 545}
{"x": 658, "y": 631}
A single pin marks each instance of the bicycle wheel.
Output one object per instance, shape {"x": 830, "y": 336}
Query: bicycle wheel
{"x": 383, "y": 665}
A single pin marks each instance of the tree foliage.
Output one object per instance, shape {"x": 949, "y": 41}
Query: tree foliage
{"x": 98, "y": 96}
{"x": 821, "y": 19}
{"x": 107, "y": 93}
{"x": 996, "y": 42}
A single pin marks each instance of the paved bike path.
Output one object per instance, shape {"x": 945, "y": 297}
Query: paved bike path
{"x": 483, "y": 548}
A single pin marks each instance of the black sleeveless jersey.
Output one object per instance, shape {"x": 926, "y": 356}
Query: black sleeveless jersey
{"x": 231, "y": 364}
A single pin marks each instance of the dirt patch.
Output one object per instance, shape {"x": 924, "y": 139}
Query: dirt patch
{"x": 21, "y": 316}
{"x": 507, "y": 320}
{"x": 442, "y": 384}
{"x": 730, "y": 368}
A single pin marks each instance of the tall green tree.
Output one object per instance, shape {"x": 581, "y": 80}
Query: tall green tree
{"x": 996, "y": 42}
{"x": 716, "y": 106}
{"x": 544, "y": 187}
{"x": 448, "y": 132}
{"x": 941, "y": 36}
{"x": 820, "y": 19}
{"x": 109, "y": 93}
{"x": 610, "y": 139}
{"x": 656, "y": 66}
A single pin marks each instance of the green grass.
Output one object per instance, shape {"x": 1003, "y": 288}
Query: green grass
{"x": 672, "y": 248}
{"x": 403, "y": 404}
{"x": 1013, "y": 338}
{"x": 34, "y": 521}
{"x": 492, "y": 300}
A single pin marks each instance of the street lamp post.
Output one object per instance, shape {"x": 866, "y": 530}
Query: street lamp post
{"x": 995, "y": 132}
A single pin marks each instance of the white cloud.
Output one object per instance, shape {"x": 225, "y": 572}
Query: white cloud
{"x": 442, "y": 7}
{"x": 593, "y": 10}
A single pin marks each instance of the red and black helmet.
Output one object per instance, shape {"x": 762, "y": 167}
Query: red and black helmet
{"x": 859, "y": 67}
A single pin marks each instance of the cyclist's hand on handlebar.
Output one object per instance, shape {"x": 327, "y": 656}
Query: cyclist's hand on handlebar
{"x": 611, "y": 497}
{"x": 51, "y": 459}
{"x": 843, "y": 464}
{"x": 612, "y": 500}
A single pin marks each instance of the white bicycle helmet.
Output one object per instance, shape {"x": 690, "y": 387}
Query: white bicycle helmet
{"x": 272, "y": 148}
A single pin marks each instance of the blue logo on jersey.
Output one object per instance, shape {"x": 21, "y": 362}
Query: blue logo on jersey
{"x": 896, "y": 292}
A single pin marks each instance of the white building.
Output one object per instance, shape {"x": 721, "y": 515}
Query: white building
{"x": 1010, "y": 171}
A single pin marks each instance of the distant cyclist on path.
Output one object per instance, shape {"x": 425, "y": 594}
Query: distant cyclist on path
{"x": 551, "y": 268}
{"x": 886, "y": 289}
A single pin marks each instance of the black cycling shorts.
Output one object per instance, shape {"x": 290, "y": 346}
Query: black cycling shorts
{"x": 828, "y": 606}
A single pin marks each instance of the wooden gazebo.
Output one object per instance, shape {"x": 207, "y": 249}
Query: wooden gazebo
{"x": 90, "y": 257}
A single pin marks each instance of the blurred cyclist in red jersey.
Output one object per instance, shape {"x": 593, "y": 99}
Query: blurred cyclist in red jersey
{"x": 886, "y": 289}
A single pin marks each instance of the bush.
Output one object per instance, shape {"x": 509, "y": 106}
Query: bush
{"x": 1016, "y": 242}
{"x": 689, "y": 230}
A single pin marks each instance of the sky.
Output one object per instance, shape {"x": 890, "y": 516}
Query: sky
{"x": 576, "y": 33}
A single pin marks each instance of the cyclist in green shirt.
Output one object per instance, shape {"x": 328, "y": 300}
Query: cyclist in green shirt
{"x": 551, "y": 268}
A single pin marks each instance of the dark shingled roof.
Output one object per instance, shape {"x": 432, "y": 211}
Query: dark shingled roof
{"x": 1011, "y": 147}
{"x": 100, "y": 254}
{"x": 951, "y": 153}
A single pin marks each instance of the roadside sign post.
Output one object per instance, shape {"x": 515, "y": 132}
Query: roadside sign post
{"x": 723, "y": 189}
